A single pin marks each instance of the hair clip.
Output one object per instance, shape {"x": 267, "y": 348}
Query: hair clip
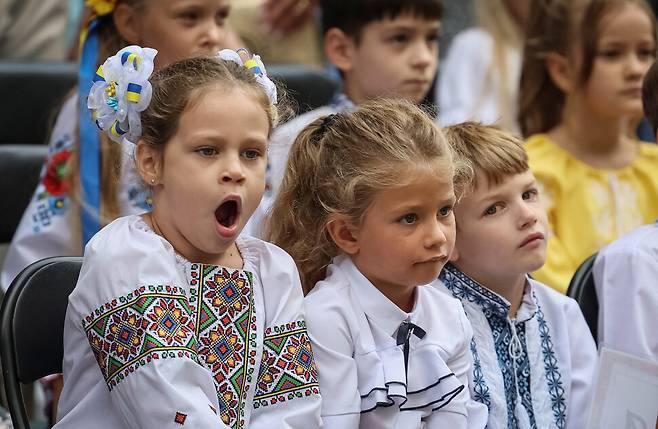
{"x": 255, "y": 65}
{"x": 120, "y": 91}
{"x": 101, "y": 7}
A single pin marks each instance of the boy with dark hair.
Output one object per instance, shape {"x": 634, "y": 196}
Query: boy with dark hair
{"x": 533, "y": 354}
{"x": 382, "y": 48}
{"x": 625, "y": 272}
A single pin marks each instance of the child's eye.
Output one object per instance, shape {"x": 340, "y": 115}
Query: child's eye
{"x": 409, "y": 219}
{"x": 189, "y": 17}
{"x": 207, "y": 151}
{"x": 610, "y": 54}
{"x": 530, "y": 194}
{"x": 399, "y": 38}
{"x": 432, "y": 38}
{"x": 646, "y": 54}
{"x": 251, "y": 153}
{"x": 492, "y": 209}
{"x": 445, "y": 211}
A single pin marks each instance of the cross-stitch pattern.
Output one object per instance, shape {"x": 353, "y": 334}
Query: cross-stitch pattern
{"x": 153, "y": 322}
{"x": 287, "y": 369}
{"x": 180, "y": 418}
{"x": 226, "y": 328}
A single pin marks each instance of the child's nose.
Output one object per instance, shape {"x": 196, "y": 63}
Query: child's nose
{"x": 435, "y": 235}
{"x": 232, "y": 171}
{"x": 527, "y": 216}
{"x": 213, "y": 35}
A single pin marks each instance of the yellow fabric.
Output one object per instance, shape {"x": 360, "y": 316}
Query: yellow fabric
{"x": 587, "y": 207}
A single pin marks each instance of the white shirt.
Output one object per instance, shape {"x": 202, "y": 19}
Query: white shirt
{"x": 50, "y": 225}
{"x": 533, "y": 371}
{"x": 626, "y": 280}
{"x": 151, "y": 339}
{"x": 468, "y": 88}
{"x": 361, "y": 366}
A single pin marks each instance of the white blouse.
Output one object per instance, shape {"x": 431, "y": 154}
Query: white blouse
{"x": 626, "y": 280}
{"x": 360, "y": 356}
{"x": 533, "y": 371}
{"x": 154, "y": 341}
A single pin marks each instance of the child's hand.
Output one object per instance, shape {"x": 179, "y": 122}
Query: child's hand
{"x": 286, "y": 16}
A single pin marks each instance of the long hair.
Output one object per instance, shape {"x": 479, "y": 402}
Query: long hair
{"x": 338, "y": 164}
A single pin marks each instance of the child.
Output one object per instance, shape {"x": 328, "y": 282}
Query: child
{"x": 625, "y": 272}
{"x": 365, "y": 209}
{"x": 382, "y": 49}
{"x": 175, "y": 320}
{"x": 533, "y": 354}
{"x": 479, "y": 79}
{"x": 84, "y": 169}
{"x": 580, "y": 96}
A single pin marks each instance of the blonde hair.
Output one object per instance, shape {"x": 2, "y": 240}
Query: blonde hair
{"x": 485, "y": 149}
{"x": 495, "y": 18}
{"x": 338, "y": 164}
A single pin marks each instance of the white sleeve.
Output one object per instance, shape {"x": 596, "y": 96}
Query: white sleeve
{"x": 132, "y": 304}
{"x": 50, "y": 225}
{"x": 331, "y": 336}
{"x": 287, "y": 392}
{"x": 462, "y": 77}
{"x": 583, "y": 367}
{"x": 461, "y": 365}
{"x": 627, "y": 292}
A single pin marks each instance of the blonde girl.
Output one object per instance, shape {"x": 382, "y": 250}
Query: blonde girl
{"x": 365, "y": 209}
{"x": 176, "y": 320}
{"x": 479, "y": 79}
{"x": 580, "y": 95}
{"x": 88, "y": 181}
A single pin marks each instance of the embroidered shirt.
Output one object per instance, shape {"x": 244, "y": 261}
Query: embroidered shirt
{"x": 588, "y": 207}
{"x": 361, "y": 365}
{"x": 625, "y": 276}
{"x": 533, "y": 371}
{"x": 50, "y": 225}
{"x": 154, "y": 341}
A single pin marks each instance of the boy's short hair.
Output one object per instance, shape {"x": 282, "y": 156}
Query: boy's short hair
{"x": 484, "y": 149}
{"x": 350, "y": 16}
{"x": 650, "y": 96}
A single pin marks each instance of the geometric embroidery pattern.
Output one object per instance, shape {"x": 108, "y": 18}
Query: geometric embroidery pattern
{"x": 223, "y": 304}
{"x": 152, "y": 322}
{"x": 287, "y": 369}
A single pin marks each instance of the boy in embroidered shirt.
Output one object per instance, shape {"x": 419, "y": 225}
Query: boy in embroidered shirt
{"x": 381, "y": 49}
{"x": 533, "y": 353}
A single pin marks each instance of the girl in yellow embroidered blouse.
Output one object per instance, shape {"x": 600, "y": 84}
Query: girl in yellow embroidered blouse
{"x": 581, "y": 90}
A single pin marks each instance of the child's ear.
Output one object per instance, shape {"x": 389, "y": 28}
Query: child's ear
{"x": 149, "y": 163}
{"x": 339, "y": 49}
{"x": 561, "y": 71}
{"x": 343, "y": 233}
{"x": 127, "y": 22}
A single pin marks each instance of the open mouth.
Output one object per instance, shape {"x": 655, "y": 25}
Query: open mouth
{"x": 228, "y": 213}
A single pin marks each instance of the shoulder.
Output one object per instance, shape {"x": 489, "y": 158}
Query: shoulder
{"x": 547, "y": 160}
{"x": 643, "y": 240}
{"x": 553, "y": 302}
{"x": 647, "y": 159}
{"x": 285, "y": 134}
{"x": 472, "y": 39}
{"x": 540, "y": 146}
{"x": 331, "y": 300}
{"x": 265, "y": 255}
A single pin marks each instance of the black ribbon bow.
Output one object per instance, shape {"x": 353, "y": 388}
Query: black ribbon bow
{"x": 405, "y": 330}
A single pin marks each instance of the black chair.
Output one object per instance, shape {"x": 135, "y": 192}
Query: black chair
{"x": 309, "y": 88}
{"x": 20, "y": 166}
{"x": 31, "y": 96}
{"x": 581, "y": 288}
{"x": 32, "y": 327}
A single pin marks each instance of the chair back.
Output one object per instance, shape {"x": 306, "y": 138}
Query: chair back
{"x": 20, "y": 166}
{"x": 309, "y": 88}
{"x": 582, "y": 289}
{"x": 32, "y": 326}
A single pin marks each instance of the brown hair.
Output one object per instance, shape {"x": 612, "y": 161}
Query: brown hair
{"x": 567, "y": 27}
{"x": 177, "y": 85}
{"x": 336, "y": 166}
{"x": 485, "y": 149}
{"x": 650, "y": 96}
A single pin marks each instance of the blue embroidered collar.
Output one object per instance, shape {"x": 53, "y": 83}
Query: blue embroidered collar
{"x": 464, "y": 287}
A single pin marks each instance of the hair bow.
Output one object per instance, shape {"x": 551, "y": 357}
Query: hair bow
{"x": 257, "y": 68}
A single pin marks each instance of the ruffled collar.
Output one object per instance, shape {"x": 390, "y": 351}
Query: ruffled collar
{"x": 379, "y": 309}
{"x": 464, "y": 287}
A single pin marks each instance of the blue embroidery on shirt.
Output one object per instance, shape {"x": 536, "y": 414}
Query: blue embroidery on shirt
{"x": 480, "y": 388}
{"x": 555, "y": 388}
{"x": 463, "y": 287}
